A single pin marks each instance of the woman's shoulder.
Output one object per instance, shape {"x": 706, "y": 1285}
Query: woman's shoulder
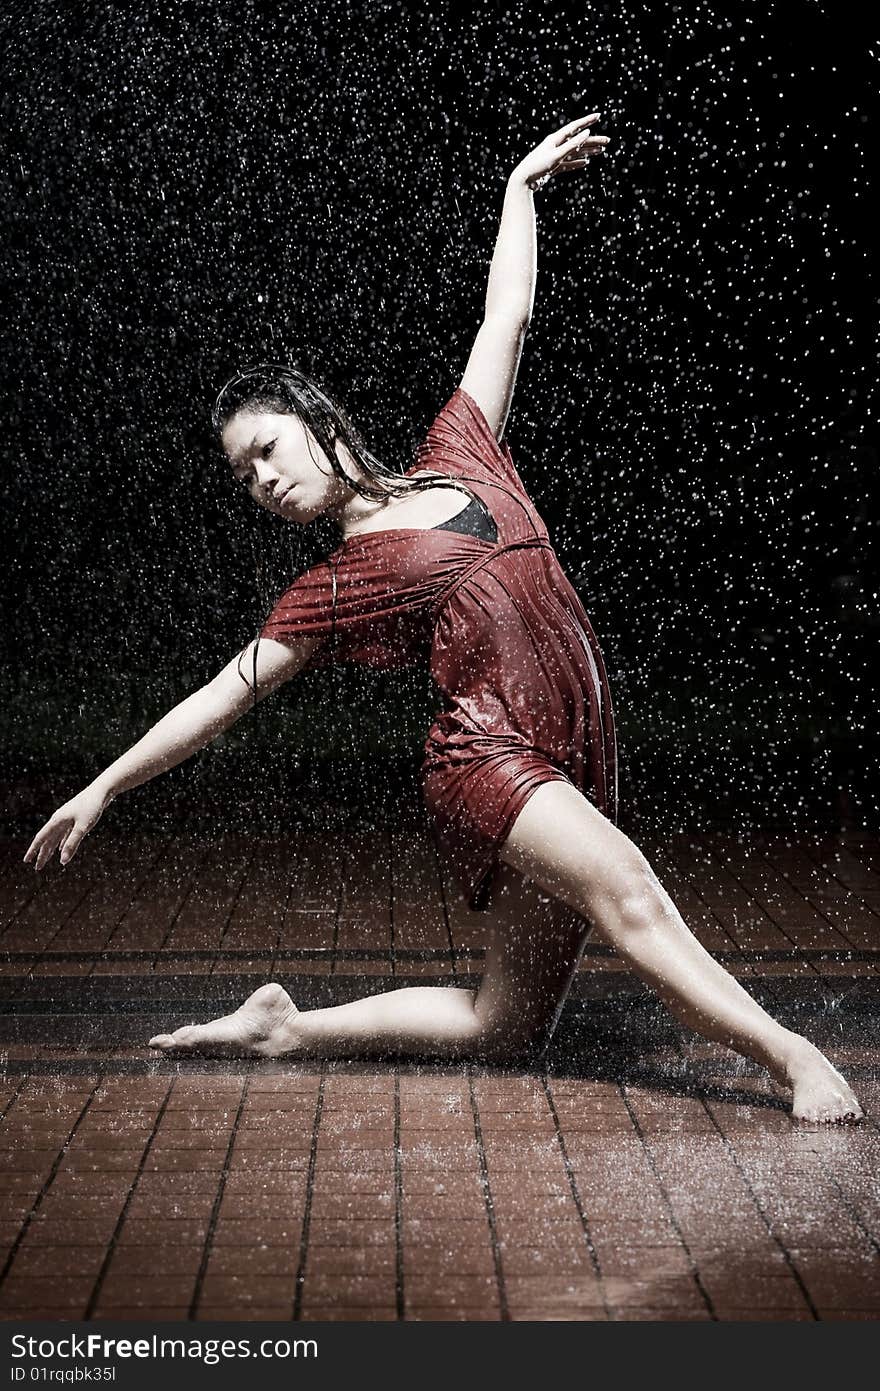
{"x": 460, "y": 439}
{"x": 459, "y": 419}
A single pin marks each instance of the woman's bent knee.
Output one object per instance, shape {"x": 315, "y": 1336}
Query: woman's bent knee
{"x": 503, "y": 1033}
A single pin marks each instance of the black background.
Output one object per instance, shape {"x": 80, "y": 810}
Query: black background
{"x": 191, "y": 188}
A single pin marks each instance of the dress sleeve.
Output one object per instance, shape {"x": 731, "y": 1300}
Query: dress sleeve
{"x": 361, "y": 610}
{"x": 461, "y": 438}
{"x": 305, "y": 609}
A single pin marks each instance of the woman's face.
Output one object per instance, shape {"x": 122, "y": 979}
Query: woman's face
{"x": 270, "y": 454}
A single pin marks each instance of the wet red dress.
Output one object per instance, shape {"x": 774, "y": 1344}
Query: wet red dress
{"x": 507, "y": 639}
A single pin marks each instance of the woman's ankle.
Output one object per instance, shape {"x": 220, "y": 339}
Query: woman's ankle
{"x": 794, "y": 1053}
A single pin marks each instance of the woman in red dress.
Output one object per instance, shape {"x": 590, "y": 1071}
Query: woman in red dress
{"x": 451, "y": 564}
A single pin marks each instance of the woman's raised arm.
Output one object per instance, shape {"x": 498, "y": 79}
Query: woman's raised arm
{"x": 490, "y": 375}
{"x": 186, "y": 728}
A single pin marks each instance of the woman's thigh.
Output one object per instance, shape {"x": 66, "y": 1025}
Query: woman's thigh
{"x": 574, "y": 853}
{"x": 532, "y": 952}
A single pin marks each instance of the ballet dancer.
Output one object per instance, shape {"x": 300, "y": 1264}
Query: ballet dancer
{"x": 450, "y": 564}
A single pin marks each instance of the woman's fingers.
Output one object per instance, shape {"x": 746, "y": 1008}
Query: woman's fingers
{"x": 71, "y": 843}
{"x": 33, "y": 850}
{"x": 47, "y": 850}
{"x": 42, "y": 847}
{"x": 579, "y": 142}
{"x": 573, "y": 126}
{"x": 43, "y": 853}
{"x": 582, "y": 154}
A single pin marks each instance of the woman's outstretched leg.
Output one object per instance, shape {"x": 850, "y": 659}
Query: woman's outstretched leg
{"x": 533, "y": 948}
{"x": 562, "y": 842}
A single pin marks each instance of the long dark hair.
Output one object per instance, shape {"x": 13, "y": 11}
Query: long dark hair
{"x": 283, "y": 389}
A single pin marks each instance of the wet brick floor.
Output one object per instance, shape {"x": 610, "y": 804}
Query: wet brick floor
{"x": 642, "y": 1174}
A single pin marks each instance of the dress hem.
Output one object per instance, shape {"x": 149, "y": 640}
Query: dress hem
{"x": 478, "y": 886}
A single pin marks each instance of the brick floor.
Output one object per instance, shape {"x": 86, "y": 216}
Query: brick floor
{"x": 642, "y": 1174}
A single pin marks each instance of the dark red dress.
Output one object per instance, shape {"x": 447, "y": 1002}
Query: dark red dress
{"x": 506, "y": 636}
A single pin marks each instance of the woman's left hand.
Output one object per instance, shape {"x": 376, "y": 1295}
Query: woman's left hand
{"x": 566, "y": 149}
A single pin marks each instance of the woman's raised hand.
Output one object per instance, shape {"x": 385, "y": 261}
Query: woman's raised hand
{"x": 570, "y": 148}
{"x": 66, "y": 827}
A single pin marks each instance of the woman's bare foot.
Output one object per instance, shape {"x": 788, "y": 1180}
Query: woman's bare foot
{"x": 819, "y": 1093}
{"x": 260, "y": 1028}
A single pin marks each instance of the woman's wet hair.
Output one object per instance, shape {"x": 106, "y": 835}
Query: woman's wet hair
{"x": 283, "y": 390}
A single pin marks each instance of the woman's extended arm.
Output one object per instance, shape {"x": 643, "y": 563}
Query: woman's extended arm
{"x": 510, "y": 292}
{"x": 186, "y": 728}
{"x": 490, "y": 375}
